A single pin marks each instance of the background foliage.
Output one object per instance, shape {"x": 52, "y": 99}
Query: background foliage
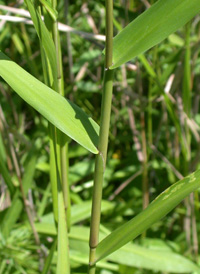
{"x": 154, "y": 142}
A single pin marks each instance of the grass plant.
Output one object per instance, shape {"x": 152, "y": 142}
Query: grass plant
{"x": 81, "y": 226}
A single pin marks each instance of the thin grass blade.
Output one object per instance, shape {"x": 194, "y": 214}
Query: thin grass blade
{"x": 44, "y": 36}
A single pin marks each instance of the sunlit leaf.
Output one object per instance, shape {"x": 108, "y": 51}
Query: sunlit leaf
{"x": 65, "y": 115}
{"x": 150, "y": 28}
{"x": 162, "y": 205}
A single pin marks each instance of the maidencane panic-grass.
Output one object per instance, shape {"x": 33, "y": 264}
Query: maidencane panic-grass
{"x": 100, "y": 162}
{"x": 164, "y": 203}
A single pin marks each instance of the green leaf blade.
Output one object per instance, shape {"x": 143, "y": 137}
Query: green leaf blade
{"x": 158, "y": 260}
{"x": 65, "y": 115}
{"x": 162, "y": 205}
{"x": 150, "y": 28}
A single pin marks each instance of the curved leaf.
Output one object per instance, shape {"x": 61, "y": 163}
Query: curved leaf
{"x": 150, "y": 28}
{"x": 65, "y": 115}
{"x": 162, "y": 205}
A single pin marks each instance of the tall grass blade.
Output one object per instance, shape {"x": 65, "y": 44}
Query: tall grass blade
{"x": 150, "y": 28}
{"x": 162, "y": 205}
{"x": 65, "y": 115}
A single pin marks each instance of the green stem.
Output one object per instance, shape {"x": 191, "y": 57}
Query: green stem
{"x": 63, "y": 265}
{"x": 65, "y": 179}
{"x": 103, "y": 138}
{"x": 58, "y": 159}
{"x": 53, "y": 176}
{"x": 62, "y": 139}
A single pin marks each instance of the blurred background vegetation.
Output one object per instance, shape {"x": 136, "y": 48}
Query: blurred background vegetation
{"x": 154, "y": 142}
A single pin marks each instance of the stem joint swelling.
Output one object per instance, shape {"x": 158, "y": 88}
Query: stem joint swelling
{"x": 92, "y": 256}
{"x": 103, "y": 161}
{"x": 107, "y": 67}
